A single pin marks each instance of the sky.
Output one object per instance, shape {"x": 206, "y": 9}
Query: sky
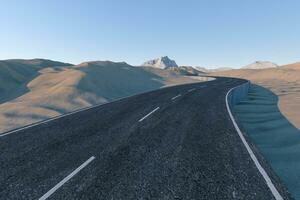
{"x": 208, "y": 33}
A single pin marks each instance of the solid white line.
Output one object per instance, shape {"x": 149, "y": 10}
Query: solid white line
{"x": 176, "y": 97}
{"x": 190, "y": 90}
{"x": 252, "y": 155}
{"x": 56, "y": 187}
{"x": 148, "y": 114}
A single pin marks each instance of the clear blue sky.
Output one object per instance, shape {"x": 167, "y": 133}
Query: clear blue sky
{"x": 209, "y": 33}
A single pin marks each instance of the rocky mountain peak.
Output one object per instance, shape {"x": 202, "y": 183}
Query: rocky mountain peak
{"x": 163, "y": 62}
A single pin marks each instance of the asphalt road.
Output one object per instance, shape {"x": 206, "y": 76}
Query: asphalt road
{"x": 173, "y": 143}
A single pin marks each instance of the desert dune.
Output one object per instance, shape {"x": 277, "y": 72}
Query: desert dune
{"x": 16, "y": 73}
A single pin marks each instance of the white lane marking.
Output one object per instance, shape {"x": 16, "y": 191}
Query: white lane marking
{"x": 176, "y": 97}
{"x": 191, "y": 90}
{"x": 148, "y": 114}
{"x": 262, "y": 171}
{"x": 56, "y": 187}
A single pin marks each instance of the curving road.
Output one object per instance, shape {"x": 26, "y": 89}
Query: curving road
{"x": 172, "y": 143}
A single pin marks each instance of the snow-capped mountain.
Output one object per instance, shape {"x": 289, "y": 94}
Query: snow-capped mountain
{"x": 261, "y": 65}
{"x": 163, "y": 62}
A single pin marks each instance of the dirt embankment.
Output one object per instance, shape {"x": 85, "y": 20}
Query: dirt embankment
{"x": 283, "y": 81}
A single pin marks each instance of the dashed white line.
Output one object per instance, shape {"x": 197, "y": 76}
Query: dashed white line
{"x": 176, "y": 97}
{"x": 148, "y": 114}
{"x": 262, "y": 171}
{"x": 191, "y": 90}
{"x": 56, "y": 187}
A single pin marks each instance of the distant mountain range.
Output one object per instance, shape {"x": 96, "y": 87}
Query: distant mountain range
{"x": 164, "y": 62}
{"x": 261, "y": 65}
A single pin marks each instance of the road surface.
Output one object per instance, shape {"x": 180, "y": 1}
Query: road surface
{"x": 173, "y": 143}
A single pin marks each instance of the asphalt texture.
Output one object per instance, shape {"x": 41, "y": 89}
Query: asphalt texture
{"x": 186, "y": 149}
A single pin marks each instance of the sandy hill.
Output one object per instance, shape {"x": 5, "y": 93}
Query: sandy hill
{"x": 294, "y": 66}
{"x": 284, "y": 81}
{"x": 16, "y": 73}
{"x": 44, "y": 88}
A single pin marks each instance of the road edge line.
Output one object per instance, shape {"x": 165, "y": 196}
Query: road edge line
{"x": 262, "y": 171}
